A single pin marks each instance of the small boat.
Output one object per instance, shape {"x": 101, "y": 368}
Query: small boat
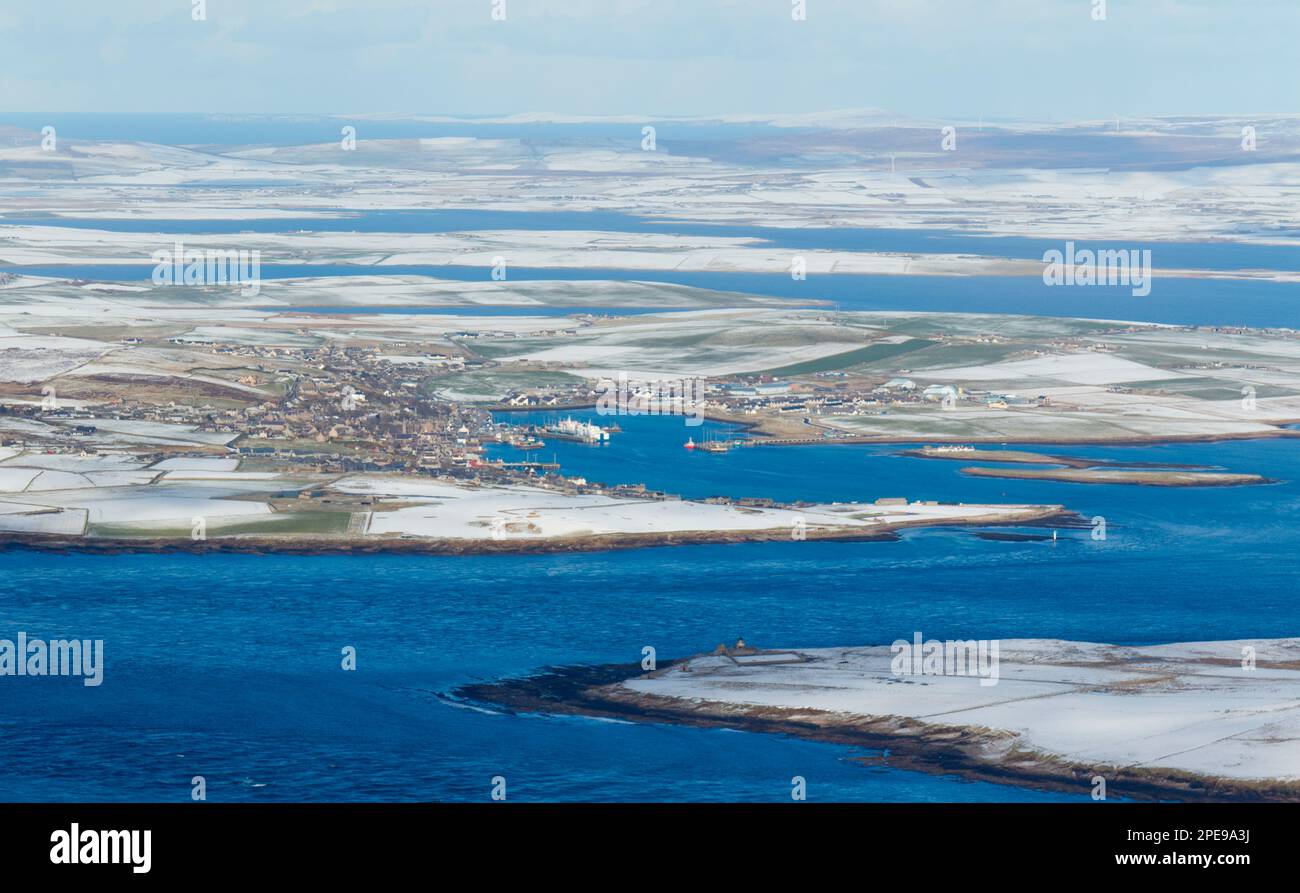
{"x": 708, "y": 445}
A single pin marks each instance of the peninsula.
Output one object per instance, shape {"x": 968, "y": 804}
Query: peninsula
{"x": 113, "y": 501}
{"x": 1183, "y": 721}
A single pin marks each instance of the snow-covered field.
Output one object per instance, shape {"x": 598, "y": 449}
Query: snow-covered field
{"x": 113, "y": 492}
{"x": 32, "y": 519}
{"x": 1193, "y": 707}
{"x": 1078, "y": 368}
{"x": 62, "y": 492}
{"x": 157, "y": 432}
{"x": 33, "y": 358}
{"x": 863, "y": 172}
{"x": 502, "y": 513}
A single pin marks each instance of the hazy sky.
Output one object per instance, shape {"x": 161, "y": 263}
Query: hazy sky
{"x": 1044, "y": 59}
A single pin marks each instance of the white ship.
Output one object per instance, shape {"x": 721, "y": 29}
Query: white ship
{"x": 584, "y": 431}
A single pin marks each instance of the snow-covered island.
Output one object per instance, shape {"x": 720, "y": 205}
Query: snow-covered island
{"x": 1198, "y": 720}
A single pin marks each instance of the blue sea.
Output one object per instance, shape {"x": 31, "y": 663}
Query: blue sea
{"x": 228, "y": 666}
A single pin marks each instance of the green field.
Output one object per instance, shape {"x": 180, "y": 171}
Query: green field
{"x": 319, "y": 523}
{"x": 850, "y": 358}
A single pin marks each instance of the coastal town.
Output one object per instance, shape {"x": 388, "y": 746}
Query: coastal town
{"x": 296, "y": 390}
{"x": 358, "y": 391}
{"x": 356, "y": 430}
